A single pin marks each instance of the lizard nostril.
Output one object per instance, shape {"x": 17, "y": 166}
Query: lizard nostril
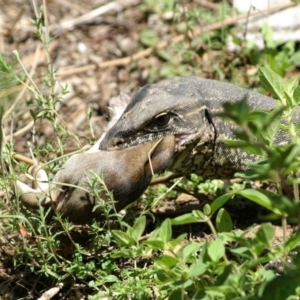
{"x": 119, "y": 143}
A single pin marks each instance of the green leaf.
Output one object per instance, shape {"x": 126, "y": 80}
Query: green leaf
{"x": 220, "y": 201}
{"x": 265, "y": 234}
{"x": 223, "y": 221}
{"x": 296, "y": 95}
{"x": 216, "y": 250}
{"x": 190, "y": 249}
{"x": 149, "y": 37}
{"x": 243, "y": 252}
{"x": 267, "y": 34}
{"x": 201, "y": 217}
{"x": 124, "y": 253}
{"x": 184, "y": 219}
{"x": 122, "y": 238}
{"x": 166, "y": 261}
{"x": 155, "y": 244}
{"x": 245, "y": 146}
{"x": 227, "y": 271}
{"x": 177, "y": 294}
{"x": 207, "y": 210}
{"x": 138, "y": 228}
{"x": 111, "y": 278}
{"x": 273, "y": 83}
{"x": 197, "y": 269}
{"x": 280, "y": 287}
{"x": 293, "y": 241}
{"x": 271, "y": 124}
{"x": 165, "y": 230}
{"x": 175, "y": 242}
{"x": 292, "y": 84}
{"x": 259, "y": 198}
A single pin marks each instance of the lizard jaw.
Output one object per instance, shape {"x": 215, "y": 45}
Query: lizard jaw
{"x": 184, "y": 139}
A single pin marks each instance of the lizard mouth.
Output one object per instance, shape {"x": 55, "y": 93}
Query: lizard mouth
{"x": 184, "y": 139}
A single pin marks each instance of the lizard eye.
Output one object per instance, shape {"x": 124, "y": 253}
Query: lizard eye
{"x": 162, "y": 120}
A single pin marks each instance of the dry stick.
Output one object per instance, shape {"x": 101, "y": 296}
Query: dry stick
{"x": 164, "y": 179}
{"x": 207, "y": 4}
{"x": 20, "y": 157}
{"x": 126, "y": 60}
{"x": 151, "y": 152}
{"x": 88, "y": 17}
{"x": 70, "y": 24}
{"x": 52, "y": 292}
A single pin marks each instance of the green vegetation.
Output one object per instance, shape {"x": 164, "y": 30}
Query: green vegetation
{"x": 117, "y": 259}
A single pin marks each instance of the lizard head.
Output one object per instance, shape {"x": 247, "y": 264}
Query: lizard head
{"x": 170, "y": 107}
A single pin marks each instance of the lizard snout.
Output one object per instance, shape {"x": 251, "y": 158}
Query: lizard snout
{"x": 116, "y": 143}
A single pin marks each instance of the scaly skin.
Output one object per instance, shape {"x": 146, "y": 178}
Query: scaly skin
{"x": 188, "y": 108}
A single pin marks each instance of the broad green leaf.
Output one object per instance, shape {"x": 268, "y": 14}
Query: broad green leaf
{"x": 108, "y": 278}
{"x": 197, "y": 269}
{"x": 124, "y": 253}
{"x": 155, "y": 244}
{"x": 207, "y": 210}
{"x": 267, "y": 33}
{"x": 122, "y": 238}
{"x": 216, "y": 250}
{"x": 293, "y": 241}
{"x": 259, "y": 198}
{"x": 166, "y": 261}
{"x": 220, "y": 201}
{"x": 272, "y": 82}
{"x": 175, "y": 242}
{"x": 149, "y": 37}
{"x": 272, "y": 122}
{"x": 265, "y": 234}
{"x": 165, "y": 230}
{"x": 223, "y": 221}
{"x": 297, "y": 95}
{"x": 177, "y": 294}
{"x": 245, "y": 146}
{"x": 138, "y": 228}
{"x": 201, "y": 217}
{"x": 184, "y": 219}
{"x": 111, "y": 278}
{"x": 227, "y": 271}
{"x": 243, "y": 252}
{"x": 281, "y": 287}
{"x": 163, "y": 277}
{"x": 190, "y": 249}
{"x": 291, "y": 84}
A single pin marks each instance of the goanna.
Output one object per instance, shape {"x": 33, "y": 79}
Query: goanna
{"x": 189, "y": 108}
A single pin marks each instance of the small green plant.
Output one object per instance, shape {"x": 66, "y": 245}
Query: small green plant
{"x": 281, "y": 57}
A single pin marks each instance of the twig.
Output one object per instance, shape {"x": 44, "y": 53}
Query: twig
{"x": 70, "y": 24}
{"x": 30, "y": 161}
{"x": 51, "y": 292}
{"x": 207, "y": 4}
{"x": 164, "y": 179}
{"x": 20, "y": 131}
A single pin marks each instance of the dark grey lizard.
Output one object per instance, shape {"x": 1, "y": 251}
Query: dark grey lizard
{"x": 188, "y": 108}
